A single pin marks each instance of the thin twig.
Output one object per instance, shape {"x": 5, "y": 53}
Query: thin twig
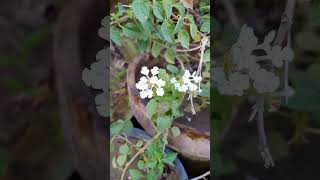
{"x": 121, "y": 20}
{"x": 181, "y": 63}
{"x": 202, "y": 176}
{"x": 192, "y": 106}
{"x": 265, "y": 153}
{"x": 204, "y": 43}
{"x": 188, "y": 50}
{"x": 282, "y": 34}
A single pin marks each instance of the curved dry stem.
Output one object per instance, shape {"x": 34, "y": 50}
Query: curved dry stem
{"x": 202, "y": 176}
{"x": 189, "y": 50}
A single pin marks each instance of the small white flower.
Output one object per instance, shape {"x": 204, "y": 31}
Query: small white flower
{"x": 177, "y": 85}
{"x": 160, "y": 83}
{"x": 160, "y": 91}
{"x": 143, "y": 79}
{"x": 193, "y": 87}
{"x": 197, "y": 79}
{"x": 186, "y": 76}
{"x": 147, "y": 84}
{"x": 149, "y": 93}
{"x": 154, "y": 79}
{"x": 143, "y": 94}
{"x": 190, "y": 82}
{"x": 144, "y": 71}
{"x": 155, "y": 70}
{"x": 184, "y": 88}
{"x": 141, "y": 86}
{"x": 173, "y": 80}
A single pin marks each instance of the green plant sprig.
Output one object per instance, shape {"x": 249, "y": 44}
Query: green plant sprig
{"x": 159, "y": 26}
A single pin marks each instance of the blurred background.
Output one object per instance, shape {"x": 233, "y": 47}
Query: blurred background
{"x": 49, "y": 128}
{"x": 292, "y": 129}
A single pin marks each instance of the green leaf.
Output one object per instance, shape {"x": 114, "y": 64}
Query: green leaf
{"x": 141, "y": 10}
{"x": 205, "y": 27}
{"x": 120, "y": 8}
{"x": 163, "y": 75}
{"x": 158, "y": 10}
{"x": 205, "y": 91}
{"x": 180, "y": 7}
{"x": 116, "y": 127}
{"x": 124, "y": 149}
{"x": 131, "y": 30}
{"x": 179, "y": 25}
{"x": 155, "y": 50}
{"x": 127, "y": 127}
{"x": 172, "y": 68}
{"x": 152, "y": 107}
{"x": 306, "y": 99}
{"x": 151, "y": 163}
{"x": 176, "y": 113}
{"x": 142, "y": 45}
{"x": 163, "y": 107}
{"x": 151, "y": 175}
{"x": 193, "y": 30}
{"x": 141, "y": 164}
{"x": 190, "y": 18}
{"x": 147, "y": 26}
{"x": 139, "y": 144}
{"x": 206, "y": 56}
{"x": 163, "y": 122}
{"x": 115, "y": 36}
{"x": 167, "y": 5}
{"x": 114, "y": 163}
{"x": 169, "y": 56}
{"x": 135, "y": 174}
{"x": 121, "y": 159}
{"x": 184, "y": 38}
{"x": 175, "y": 131}
{"x": 167, "y": 29}
{"x": 160, "y": 169}
{"x": 170, "y": 157}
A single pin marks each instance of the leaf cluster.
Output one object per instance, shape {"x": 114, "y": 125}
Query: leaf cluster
{"x": 158, "y": 26}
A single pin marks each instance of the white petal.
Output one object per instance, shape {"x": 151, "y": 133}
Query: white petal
{"x": 138, "y": 86}
{"x": 144, "y": 71}
{"x": 155, "y": 70}
{"x": 160, "y": 83}
{"x": 193, "y": 87}
{"x": 154, "y": 80}
{"x": 177, "y": 85}
{"x": 143, "y": 79}
{"x": 184, "y": 88}
{"x": 160, "y": 91}
{"x": 143, "y": 94}
{"x": 197, "y": 79}
{"x": 187, "y": 74}
{"x": 149, "y": 93}
{"x": 173, "y": 80}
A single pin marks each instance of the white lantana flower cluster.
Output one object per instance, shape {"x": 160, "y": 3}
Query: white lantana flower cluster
{"x": 247, "y": 66}
{"x": 188, "y": 83}
{"x": 148, "y": 84}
